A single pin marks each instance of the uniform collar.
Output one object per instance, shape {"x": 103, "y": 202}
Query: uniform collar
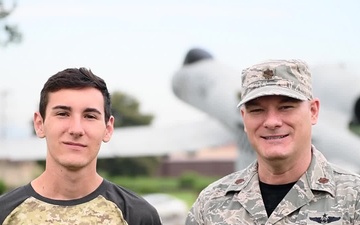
{"x": 318, "y": 177}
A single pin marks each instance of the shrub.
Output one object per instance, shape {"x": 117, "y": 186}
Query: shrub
{"x": 2, "y": 187}
{"x": 188, "y": 180}
{"x": 194, "y": 181}
{"x": 145, "y": 185}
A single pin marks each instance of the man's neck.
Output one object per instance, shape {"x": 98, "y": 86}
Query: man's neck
{"x": 283, "y": 172}
{"x": 66, "y": 185}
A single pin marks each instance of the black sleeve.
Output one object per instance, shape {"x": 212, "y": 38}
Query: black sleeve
{"x": 9, "y": 201}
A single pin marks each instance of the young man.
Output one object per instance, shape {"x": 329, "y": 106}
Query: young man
{"x": 74, "y": 118}
{"x": 290, "y": 182}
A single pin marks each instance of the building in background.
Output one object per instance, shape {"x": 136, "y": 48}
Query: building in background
{"x": 217, "y": 161}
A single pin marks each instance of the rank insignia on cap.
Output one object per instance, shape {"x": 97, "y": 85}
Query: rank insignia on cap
{"x": 268, "y": 74}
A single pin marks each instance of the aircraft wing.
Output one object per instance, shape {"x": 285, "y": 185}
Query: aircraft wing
{"x": 134, "y": 141}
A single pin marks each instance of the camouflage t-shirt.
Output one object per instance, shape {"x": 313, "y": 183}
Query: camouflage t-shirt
{"x": 324, "y": 194}
{"x": 108, "y": 204}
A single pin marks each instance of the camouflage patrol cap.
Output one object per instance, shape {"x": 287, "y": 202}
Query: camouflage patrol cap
{"x": 290, "y": 78}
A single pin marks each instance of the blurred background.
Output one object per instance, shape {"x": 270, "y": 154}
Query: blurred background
{"x": 136, "y": 47}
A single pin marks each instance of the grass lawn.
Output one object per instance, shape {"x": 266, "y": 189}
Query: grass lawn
{"x": 187, "y": 196}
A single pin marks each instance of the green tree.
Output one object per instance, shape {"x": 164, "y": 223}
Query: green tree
{"x": 2, "y": 187}
{"x": 126, "y": 110}
{"x": 355, "y": 127}
{"x": 12, "y": 34}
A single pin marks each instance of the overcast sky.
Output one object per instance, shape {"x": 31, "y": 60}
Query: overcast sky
{"x": 136, "y": 46}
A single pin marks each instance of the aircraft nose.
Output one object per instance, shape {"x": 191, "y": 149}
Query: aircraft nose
{"x": 195, "y": 55}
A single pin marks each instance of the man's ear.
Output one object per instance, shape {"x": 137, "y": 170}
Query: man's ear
{"x": 314, "y": 109}
{"x": 39, "y": 125}
{"x": 242, "y": 115}
{"x": 109, "y": 129}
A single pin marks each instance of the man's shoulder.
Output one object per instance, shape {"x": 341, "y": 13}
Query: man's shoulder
{"x": 14, "y": 194}
{"x": 12, "y": 199}
{"x": 323, "y": 171}
{"x": 118, "y": 190}
{"x": 133, "y": 206}
{"x": 342, "y": 175}
{"x": 121, "y": 195}
{"x": 230, "y": 182}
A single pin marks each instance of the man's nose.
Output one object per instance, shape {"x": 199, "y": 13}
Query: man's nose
{"x": 272, "y": 119}
{"x": 76, "y": 127}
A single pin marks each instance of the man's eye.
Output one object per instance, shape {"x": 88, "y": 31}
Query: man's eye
{"x": 255, "y": 110}
{"x": 286, "y": 107}
{"x": 90, "y": 116}
{"x": 62, "y": 114}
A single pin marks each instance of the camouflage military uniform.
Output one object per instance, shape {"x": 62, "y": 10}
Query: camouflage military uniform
{"x": 323, "y": 195}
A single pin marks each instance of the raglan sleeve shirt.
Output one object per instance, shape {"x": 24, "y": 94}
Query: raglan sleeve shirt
{"x": 109, "y": 204}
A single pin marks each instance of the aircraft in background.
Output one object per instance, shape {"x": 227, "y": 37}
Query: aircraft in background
{"x": 213, "y": 88}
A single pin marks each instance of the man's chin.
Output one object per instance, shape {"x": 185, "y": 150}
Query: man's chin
{"x": 74, "y": 166}
{"x": 276, "y": 157}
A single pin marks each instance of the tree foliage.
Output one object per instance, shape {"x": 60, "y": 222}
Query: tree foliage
{"x": 355, "y": 128}
{"x": 11, "y": 32}
{"x": 2, "y": 187}
{"x": 126, "y": 110}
